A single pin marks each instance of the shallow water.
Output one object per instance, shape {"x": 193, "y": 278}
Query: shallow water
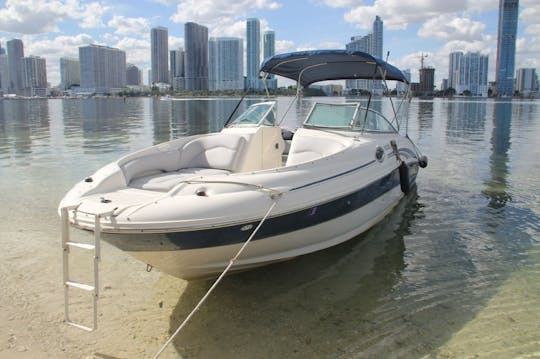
{"x": 453, "y": 271}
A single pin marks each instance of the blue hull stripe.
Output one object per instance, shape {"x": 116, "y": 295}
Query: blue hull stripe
{"x": 273, "y": 226}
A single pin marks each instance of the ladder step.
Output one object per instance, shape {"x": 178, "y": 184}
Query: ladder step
{"x": 81, "y": 245}
{"x": 80, "y": 286}
{"x": 80, "y": 326}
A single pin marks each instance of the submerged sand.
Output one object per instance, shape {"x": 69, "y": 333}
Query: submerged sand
{"x": 138, "y": 311}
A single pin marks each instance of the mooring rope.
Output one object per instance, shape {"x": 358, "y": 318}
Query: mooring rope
{"x": 231, "y": 262}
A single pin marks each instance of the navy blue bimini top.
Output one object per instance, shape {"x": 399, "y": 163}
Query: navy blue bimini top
{"x": 320, "y": 65}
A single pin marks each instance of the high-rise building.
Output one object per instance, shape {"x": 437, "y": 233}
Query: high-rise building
{"x": 453, "y": 69}
{"x": 34, "y": 76}
{"x": 133, "y": 75}
{"x": 269, "y": 49}
{"x": 427, "y": 81}
{"x": 377, "y": 38}
{"x": 474, "y": 74}
{"x": 506, "y": 47}
{"x": 4, "y": 72}
{"x": 15, "y": 52}
{"x": 372, "y": 44}
{"x": 177, "y": 63}
{"x": 400, "y": 86}
{"x": 103, "y": 69}
{"x": 159, "y": 46}
{"x": 70, "y": 73}
{"x": 253, "y": 52}
{"x": 177, "y": 69}
{"x": 526, "y": 82}
{"x": 269, "y": 44}
{"x": 196, "y": 57}
{"x": 225, "y": 65}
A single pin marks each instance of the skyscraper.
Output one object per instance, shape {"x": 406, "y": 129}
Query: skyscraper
{"x": 253, "y": 52}
{"x": 196, "y": 58}
{"x": 103, "y": 69}
{"x": 225, "y": 67}
{"x": 526, "y": 81}
{"x": 4, "y": 72}
{"x": 453, "y": 69}
{"x": 133, "y": 75}
{"x": 269, "y": 49}
{"x": 70, "y": 73}
{"x": 468, "y": 72}
{"x": 177, "y": 69}
{"x": 427, "y": 81}
{"x": 15, "y": 55}
{"x": 372, "y": 44}
{"x": 34, "y": 76}
{"x": 377, "y": 38}
{"x": 269, "y": 44}
{"x": 159, "y": 45}
{"x": 506, "y": 47}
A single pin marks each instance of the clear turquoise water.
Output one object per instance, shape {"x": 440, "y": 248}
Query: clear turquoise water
{"x": 454, "y": 271}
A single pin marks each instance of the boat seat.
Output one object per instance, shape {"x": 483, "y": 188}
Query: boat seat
{"x": 224, "y": 152}
{"x": 307, "y": 147}
{"x": 165, "y": 181}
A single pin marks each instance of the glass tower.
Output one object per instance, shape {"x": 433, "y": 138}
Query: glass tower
{"x": 15, "y": 53}
{"x": 225, "y": 68}
{"x": 506, "y": 46}
{"x": 70, "y": 73}
{"x": 159, "y": 44}
{"x": 372, "y": 44}
{"x": 103, "y": 69}
{"x": 253, "y": 51}
{"x": 196, "y": 56}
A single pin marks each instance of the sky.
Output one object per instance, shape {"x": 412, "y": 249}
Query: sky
{"x": 56, "y": 28}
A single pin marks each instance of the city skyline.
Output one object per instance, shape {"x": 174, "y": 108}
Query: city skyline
{"x": 432, "y": 27}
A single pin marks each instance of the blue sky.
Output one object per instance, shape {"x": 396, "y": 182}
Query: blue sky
{"x": 56, "y": 28}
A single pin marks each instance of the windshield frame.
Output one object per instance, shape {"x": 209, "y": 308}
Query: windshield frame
{"x": 262, "y": 119}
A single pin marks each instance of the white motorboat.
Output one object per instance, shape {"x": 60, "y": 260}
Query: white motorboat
{"x": 188, "y": 205}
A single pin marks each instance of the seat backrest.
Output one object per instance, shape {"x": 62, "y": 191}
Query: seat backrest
{"x": 307, "y": 147}
{"x": 214, "y": 151}
{"x": 151, "y": 163}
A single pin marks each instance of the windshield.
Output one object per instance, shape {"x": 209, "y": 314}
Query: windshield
{"x": 257, "y": 114}
{"x": 348, "y": 116}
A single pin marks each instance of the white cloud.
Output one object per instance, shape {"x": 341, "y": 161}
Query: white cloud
{"x": 210, "y": 12}
{"x": 35, "y": 16}
{"x": 285, "y": 46}
{"x": 398, "y": 14}
{"x": 342, "y": 3}
{"x": 482, "y": 5}
{"x": 90, "y": 15}
{"x": 130, "y": 26}
{"x": 449, "y": 27}
{"x": 175, "y": 42}
{"x": 137, "y": 50}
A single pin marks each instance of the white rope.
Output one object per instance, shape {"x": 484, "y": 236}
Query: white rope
{"x": 231, "y": 262}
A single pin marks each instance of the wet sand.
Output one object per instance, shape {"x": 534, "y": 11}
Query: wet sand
{"x": 134, "y": 306}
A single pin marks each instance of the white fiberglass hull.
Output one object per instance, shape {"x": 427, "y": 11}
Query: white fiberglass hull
{"x": 210, "y": 261}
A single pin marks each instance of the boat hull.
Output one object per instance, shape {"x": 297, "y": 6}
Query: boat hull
{"x": 205, "y": 253}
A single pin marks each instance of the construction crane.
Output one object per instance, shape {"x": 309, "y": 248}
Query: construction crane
{"x": 422, "y": 57}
